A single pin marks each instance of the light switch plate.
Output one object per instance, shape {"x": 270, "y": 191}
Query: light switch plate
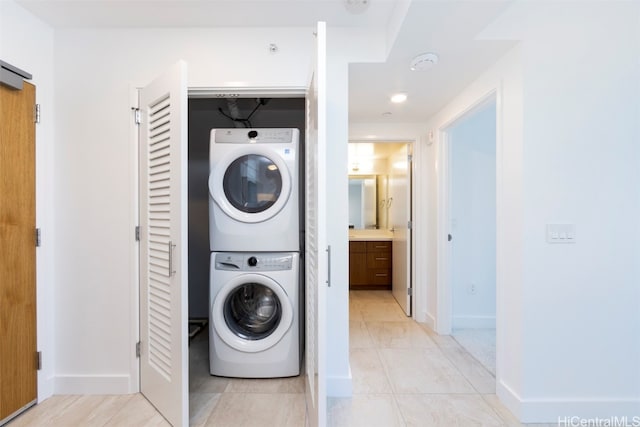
{"x": 561, "y": 233}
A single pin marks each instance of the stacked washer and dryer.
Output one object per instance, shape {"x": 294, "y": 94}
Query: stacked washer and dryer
{"x": 254, "y": 218}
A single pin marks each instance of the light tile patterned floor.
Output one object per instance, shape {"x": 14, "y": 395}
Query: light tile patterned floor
{"x": 406, "y": 375}
{"x": 403, "y": 375}
{"x": 480, "y": 343}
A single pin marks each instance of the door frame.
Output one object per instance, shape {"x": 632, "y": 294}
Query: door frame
{"x": 192, "y": 92}
{"x": 444, "y": 290}
{"x": 418, "y": 304}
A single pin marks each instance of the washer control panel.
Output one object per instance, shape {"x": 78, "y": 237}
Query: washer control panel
{"x": 234, "y": 261}
{"x": 253, "y": 136}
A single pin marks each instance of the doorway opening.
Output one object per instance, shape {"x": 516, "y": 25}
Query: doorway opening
{"x": 380, "y": 215}
{"x": 470, "y": 222}
{"x": 204, "y": 114}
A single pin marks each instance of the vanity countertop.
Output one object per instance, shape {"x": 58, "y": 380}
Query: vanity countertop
{"x": 370, "y": 235}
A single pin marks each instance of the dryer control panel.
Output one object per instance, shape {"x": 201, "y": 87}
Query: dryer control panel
{"x": 234, "y": 261}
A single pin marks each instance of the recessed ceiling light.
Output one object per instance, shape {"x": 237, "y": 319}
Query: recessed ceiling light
{"x": 398, "y": 98}
{"x": 424, "y": 61}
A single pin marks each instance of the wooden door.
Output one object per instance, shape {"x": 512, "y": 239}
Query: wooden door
{"x": 18, "y": 362}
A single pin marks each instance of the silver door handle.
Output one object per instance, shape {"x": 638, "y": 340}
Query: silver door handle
{"x": 329, "y": 266}
{"x": 171, "y": 270}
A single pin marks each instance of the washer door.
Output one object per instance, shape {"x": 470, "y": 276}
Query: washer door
{"x": 251, "y": 313}
{"x": 252, "y": 184}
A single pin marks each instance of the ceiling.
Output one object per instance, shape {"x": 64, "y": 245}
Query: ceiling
{"x": 446, "y": 27}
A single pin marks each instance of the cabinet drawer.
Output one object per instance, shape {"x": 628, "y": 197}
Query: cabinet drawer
{"x": 378, "y": 260}
{"x": 380, "y": 276}
{"x": 357, "y": 246}
{"x": 378, "y": 246}
{"x": 358, "y": 274}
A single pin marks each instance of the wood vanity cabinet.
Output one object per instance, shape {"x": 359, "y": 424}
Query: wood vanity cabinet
{"x": 370, "y": 265}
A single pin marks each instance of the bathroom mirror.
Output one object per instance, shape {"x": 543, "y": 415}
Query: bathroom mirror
{"x": 368, "y": 203}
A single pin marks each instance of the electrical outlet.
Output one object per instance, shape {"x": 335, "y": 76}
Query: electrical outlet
{"x": 472, "y": 289}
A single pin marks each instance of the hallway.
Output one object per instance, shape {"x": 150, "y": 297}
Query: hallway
{"x": 406, "y": 375}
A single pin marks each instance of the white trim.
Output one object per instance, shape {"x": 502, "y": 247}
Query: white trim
{"x": 443, "y": 275}
{"x": 134, "y": 333}
{"x": 340, "y": 386}
{"x": 429, "y": 320}
{"x": 93, "y": 384}
{"x": 473, "y": 322}
{"x": 443, "y": 286}
{"x": 569, "y": 409}
{"x": 247, "y": 92}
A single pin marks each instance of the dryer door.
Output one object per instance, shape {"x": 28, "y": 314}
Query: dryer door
{"x": 251, "y": 313}
{"x": 250, "y": 185}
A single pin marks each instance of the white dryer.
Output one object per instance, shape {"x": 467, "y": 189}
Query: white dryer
{"x": 253, "y": 190}
{"x": 255, "y": 321}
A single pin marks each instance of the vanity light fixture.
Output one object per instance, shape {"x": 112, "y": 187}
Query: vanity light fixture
{"x": 398, "y": 98}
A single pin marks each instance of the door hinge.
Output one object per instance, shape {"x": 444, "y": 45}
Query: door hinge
{"x": 38, "y": 238}
{"x": 409, "y": 291}
{"x": 410, "y": 158}
{"x": 36, "y": 114}
{"x": 137, "y": 233}
{"x": 38, "y": 360}
{"x": 137, "y": 118}
{"x": 138, "y": 349}
{"x": 410, "y": 225}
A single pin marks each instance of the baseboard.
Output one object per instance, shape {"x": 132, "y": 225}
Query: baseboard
{"x": 339, "y": 386}
{"x": 93, "y": 384}
{"x": 571, "y": 412}
{"x": 45, "y": 387}
{"x": 429, "y": 320}
{"x": 474, "y": 322}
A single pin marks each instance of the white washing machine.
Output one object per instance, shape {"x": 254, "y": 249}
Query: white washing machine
{"x": 254, "y": 321}
{"x": 253, "y": 190}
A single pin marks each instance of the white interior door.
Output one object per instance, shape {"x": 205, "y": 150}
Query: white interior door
{"x": 317, "y": 254}
{"x": 163, "y": 245}
{"x": 400, "y": 210}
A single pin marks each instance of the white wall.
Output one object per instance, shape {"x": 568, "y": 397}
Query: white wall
{"x": 504, "y": 79}
{"x": 568, "y": 130}
{"x": 27, "y": 43}
{"x": 585, "y": 112}
{"x": 95, "y": 73}
{"x": 472, "y": 144}
{"x": 360, "y": 48}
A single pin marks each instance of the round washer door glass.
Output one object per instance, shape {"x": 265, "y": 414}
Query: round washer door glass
{"x": 252, "y": 183}
{"x": 252, "y": 311}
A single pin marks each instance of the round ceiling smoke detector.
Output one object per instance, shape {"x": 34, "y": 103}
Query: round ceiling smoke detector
{"x": 356, "y": 6}
{"x": 424, "y": 61}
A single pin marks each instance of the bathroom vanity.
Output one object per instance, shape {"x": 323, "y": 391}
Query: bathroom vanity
{"x": 370, "y": 259}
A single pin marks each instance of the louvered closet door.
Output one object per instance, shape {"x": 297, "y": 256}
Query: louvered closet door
{"x": 316, "y": 255}
{"x": 163, "y": 246}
